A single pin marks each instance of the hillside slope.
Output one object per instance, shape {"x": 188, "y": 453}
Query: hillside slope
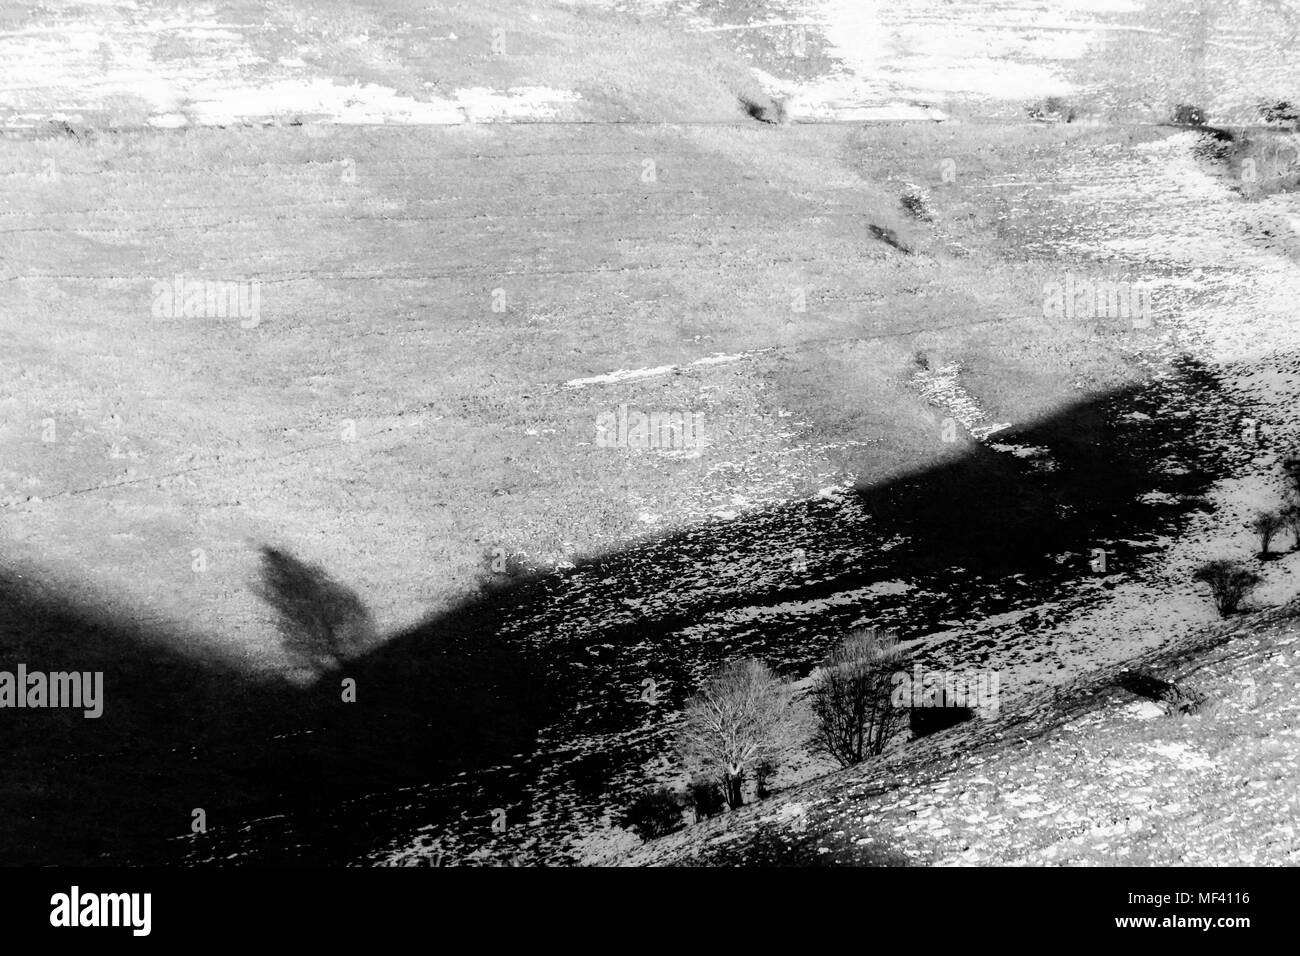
{"x": 1092, "y": 775}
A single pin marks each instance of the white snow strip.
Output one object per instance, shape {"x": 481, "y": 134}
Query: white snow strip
{"x": 724, "y": 27}
{"x": 633, "y": 374}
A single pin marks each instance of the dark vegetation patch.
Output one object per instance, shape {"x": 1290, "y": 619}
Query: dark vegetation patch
{"x": 1145, "y": 683}
{"x": 1186, "y": 114}
{"x": 1053, "y": 109}
{"x": 654, "y": 813}
{"x": 62, "y": 129}
{"x": 924, "y": 721}
{"x": 772, "y": 111}
{"x": 889, "y": 237}
{"x": 322, "y": 622}
{"x": 917, "y": 203}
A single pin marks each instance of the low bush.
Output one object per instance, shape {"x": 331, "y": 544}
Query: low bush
{"x": 1187, "y": 115}
{"x": 1229, "y": 584}
{"x": 705, "y": 799}
{"x": 1266, "y": 525}
{"x": 917, "y": 203}
{"x": 1052, "y": 109}
{"x": 1176, "y": 699}
{"x": 1280, "y": 113}
{"x": 654, "y": 813}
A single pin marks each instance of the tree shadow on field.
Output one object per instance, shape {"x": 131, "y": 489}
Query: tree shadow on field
{"x": 177, "y": 734}
{"x": 459, "y": 693}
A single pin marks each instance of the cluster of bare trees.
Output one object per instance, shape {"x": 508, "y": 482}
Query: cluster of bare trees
{"x": 740, "y": 724}
{"x": 737, "y": 727}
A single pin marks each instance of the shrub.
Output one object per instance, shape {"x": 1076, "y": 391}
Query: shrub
{"x": 1266, "y": 525}
{"x": 1280, "y": 112}
{"x": 1177, "y": 700}
{"x": 736, "y": 722}
{"x": 61, "y": 128}
{"x": 773, "y": 111}
{"x": 917, "y": 203}
{"x": 1229, "y": 584}
{"x": 889, "y": 237}
{"x": 704, "y": 797}
{"x": 852, "y": 697}
{"x": 1052, "y": 108}
{"x": 654, "y": 813}
{"x": 321, "y": 621}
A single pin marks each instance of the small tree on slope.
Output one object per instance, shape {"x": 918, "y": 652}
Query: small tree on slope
{"x": 1229, "y": 584}
{"x": 852, "y": 697}
{"x": 1266, "y": 526}
{"x": 735, "y": 723}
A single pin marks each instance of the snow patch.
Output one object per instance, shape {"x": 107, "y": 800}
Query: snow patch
{"x": 633, "y": 374}
{"x": 189, "y": 68}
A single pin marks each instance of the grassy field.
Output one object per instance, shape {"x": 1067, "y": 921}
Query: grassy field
{"x": 378, "y": 252}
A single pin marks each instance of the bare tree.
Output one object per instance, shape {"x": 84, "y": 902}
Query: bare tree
{"x": 1229, "y": 583}
{"x": 735, "y": 724}
{"x": 852, "y": 697}
{"x": 1266, "y": 525}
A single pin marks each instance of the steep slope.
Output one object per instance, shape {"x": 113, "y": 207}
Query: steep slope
{"x": 1091, "y": 775}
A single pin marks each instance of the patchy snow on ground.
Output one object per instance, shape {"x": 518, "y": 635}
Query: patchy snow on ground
{"x": 941, "y": 387}
{"x": 902, "y": 61}
{"x": 90, "y": 61}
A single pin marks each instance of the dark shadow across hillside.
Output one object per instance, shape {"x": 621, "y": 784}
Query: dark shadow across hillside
{"x": 470, "y": 691}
